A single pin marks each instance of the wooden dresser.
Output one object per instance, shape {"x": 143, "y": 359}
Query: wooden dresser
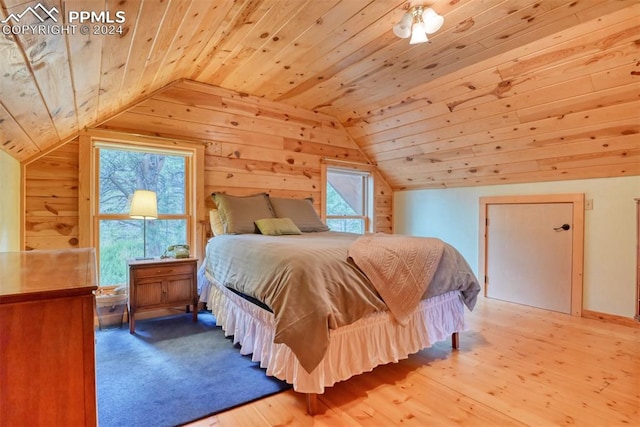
{"x": 161, "y": 283}
{"x": 47, "y": 344}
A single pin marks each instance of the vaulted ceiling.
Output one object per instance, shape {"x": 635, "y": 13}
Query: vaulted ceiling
{"x": 506, "y": 91}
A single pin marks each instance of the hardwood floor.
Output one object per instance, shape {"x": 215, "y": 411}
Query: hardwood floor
{"x": 516, "y": 366}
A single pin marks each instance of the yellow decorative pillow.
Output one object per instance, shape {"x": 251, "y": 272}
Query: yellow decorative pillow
{"x": 277, "y": 226}
{"x": 216, "y": 224}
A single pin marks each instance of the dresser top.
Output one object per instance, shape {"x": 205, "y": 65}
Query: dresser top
{"x": 33, "y": 275}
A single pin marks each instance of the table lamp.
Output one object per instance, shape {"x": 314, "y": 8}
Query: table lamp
{"x": 144, "y": 206}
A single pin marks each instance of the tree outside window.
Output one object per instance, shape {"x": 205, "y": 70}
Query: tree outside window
{"x": 121, "y": 172}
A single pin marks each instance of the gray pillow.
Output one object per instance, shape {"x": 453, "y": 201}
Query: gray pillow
{"x": 239, "y": 213}
{"x": 301, "y": 212}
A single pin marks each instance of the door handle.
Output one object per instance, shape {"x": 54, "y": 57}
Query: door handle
{"x": 564, "y": 227}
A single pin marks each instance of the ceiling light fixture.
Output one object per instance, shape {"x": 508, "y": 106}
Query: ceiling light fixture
{"x": 417, "y": 23}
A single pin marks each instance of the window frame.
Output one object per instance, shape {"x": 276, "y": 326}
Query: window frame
{"x": 366, "y": 171}
{"x": 88, "y": 209}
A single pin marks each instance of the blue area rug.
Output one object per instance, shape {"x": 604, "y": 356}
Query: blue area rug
{"x": 173, "y": 371}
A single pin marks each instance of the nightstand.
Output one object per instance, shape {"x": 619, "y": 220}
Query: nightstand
{"x": 161, "y": 283}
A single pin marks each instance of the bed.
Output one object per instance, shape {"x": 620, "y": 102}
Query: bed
{"x": 305, "y": 306}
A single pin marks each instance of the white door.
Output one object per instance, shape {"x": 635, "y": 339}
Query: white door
{"x": 529, "y": 253}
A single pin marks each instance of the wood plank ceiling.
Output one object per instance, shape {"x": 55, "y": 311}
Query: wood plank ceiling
{"x": 506, "y": 91}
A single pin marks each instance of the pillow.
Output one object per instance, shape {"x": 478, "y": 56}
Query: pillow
{"x": 238, "y": 213}
{"x": 277, "y": 226}
{"x": 301, "y": 212}
{"x": 216, "y": 223}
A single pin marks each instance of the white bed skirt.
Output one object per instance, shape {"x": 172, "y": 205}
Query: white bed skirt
{"x": 353, "y": 349}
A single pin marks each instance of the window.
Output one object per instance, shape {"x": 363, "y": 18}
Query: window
{"x": 122, "y": 169}
{"x": 348, "y": 200}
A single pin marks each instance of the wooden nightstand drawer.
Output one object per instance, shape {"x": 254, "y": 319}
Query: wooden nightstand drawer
{"x": 162, "y": 270}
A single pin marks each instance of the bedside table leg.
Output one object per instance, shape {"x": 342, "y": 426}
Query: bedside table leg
{"x": 132, "y": 323}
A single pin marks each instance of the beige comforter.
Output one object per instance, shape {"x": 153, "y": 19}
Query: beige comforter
{"x": 306, "y": 280}
{"x": 311, "y": 284}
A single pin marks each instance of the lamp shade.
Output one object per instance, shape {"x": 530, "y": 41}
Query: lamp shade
{"x": 418, "y": 34}
{"x": 403, "y": 28}
{"x": 432, "y": 21}
{"x": 144, "y": 205}
{"x": 417, "y": 23}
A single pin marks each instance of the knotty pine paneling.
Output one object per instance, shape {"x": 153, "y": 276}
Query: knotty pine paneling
{"x": 253, "y": 145}
{"x": 241, "y": 156}
{"x": 502, "y": 75}
{"x": 46, "y": 59}
{"x": 51, "y": 200}
{"x": 566, "y": 108}
{"x": 383, "y": 204}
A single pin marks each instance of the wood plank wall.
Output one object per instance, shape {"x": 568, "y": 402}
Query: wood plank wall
{"x": 51, "y": 200}
{"x": 252, "y": 145}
